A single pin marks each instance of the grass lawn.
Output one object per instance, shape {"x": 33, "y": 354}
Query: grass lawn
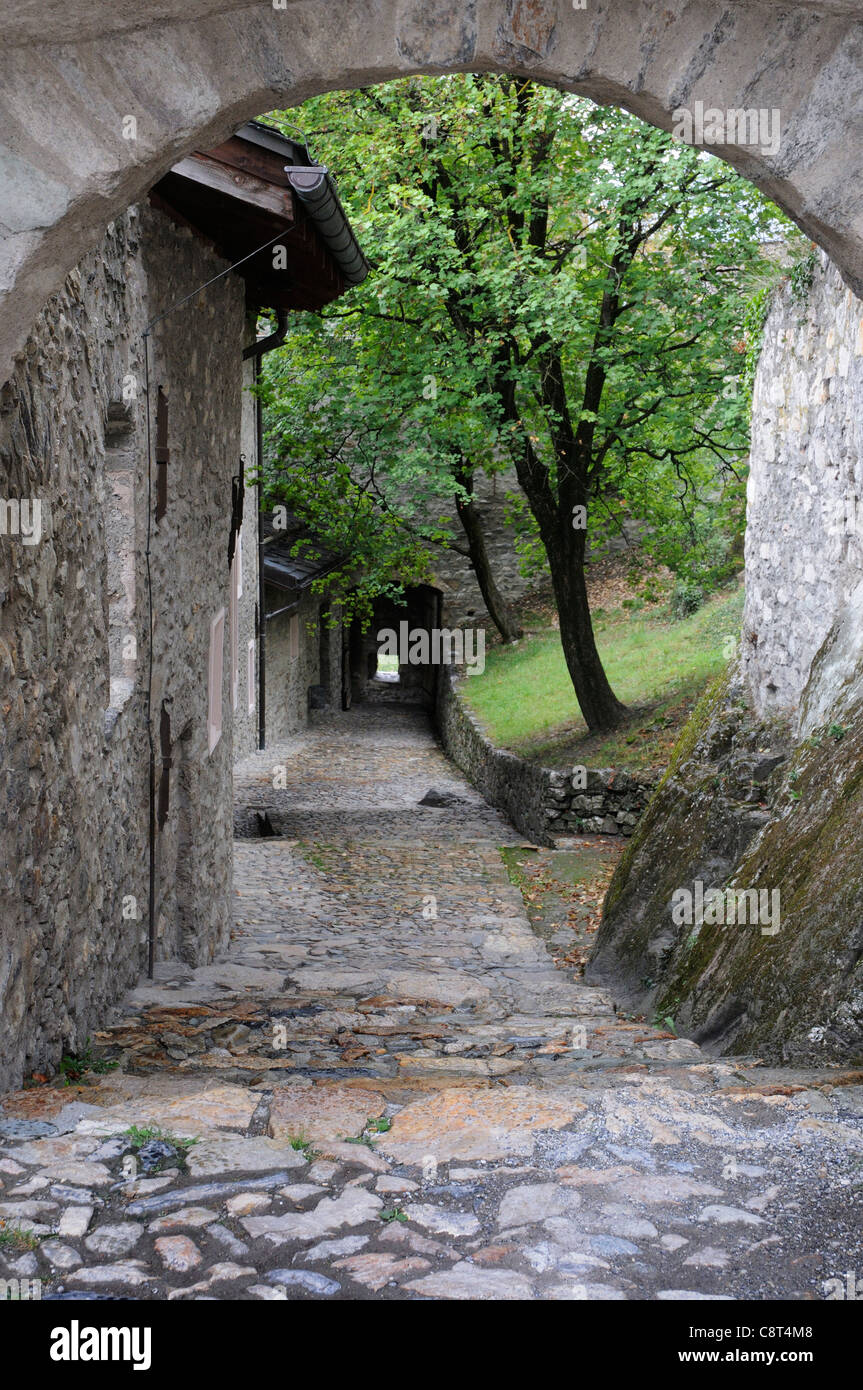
{"x": 657, "y": 666}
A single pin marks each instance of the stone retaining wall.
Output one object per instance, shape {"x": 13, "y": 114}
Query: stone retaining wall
{"x": 601, "y": 801}
{"x": 541, "y": 802}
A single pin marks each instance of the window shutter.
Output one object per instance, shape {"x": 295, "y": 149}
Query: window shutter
{"x": 214, "y": 703}
{"x": 163, "y": 454}
{"x": 250, "y": 676}
{"x": 235, "y": 632}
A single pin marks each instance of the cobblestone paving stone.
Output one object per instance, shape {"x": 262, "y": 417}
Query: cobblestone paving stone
{"x": 394, "y": 1094}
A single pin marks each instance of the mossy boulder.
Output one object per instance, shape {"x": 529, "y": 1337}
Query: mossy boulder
{"x": 742, "y": 807}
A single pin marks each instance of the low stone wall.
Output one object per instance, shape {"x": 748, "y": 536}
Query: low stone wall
{"x": 602, "y": 801}
{"x": 541, "y": 802}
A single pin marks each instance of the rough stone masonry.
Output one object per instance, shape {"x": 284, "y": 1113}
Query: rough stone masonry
{"x": 73, "y": 634}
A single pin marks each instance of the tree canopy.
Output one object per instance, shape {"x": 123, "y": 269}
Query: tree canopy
{"x": 557, "y": 287}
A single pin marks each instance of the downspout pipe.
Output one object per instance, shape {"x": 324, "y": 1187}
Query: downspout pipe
{"x": 272, "y": 340}
{"x": 257, "y": 351}
{"x": 262, "y": 626}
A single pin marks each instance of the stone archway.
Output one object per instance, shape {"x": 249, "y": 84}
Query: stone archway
{"x": 99, "y": 100}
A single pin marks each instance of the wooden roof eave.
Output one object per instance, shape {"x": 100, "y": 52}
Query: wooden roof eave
{"x": 238, "y": 210}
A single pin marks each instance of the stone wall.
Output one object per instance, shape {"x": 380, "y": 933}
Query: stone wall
{"x": 596, "y": 801}
{"x": 74, "y": 634}
{"x": 508, "y": 782}
{"x": 292, "y": 663}
{"x": 804, "y": 538}
{"x": 462, "y": 602}
{"x": 541, "y": 802}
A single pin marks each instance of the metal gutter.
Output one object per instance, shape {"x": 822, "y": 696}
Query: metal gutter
{"x": 317, "y": 193}
{"x": 316, "y": 190}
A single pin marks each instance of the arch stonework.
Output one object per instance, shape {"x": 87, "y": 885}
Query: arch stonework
{"x": 189, "y": 71}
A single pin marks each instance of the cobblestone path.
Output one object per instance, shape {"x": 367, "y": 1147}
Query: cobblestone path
{"x": 394, "y": 1093}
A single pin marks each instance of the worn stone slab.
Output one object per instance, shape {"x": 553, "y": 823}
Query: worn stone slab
{"x": 441, "y": 1220}
{"x": 328, "y": 1249}
{"x": 663, "y": 1188}
{"x": 355, "y": 1156}
{"x": 378, "y": 1268}
{"x": 60, "y": 1256}
{"x": 113, "y": 1240}
{"x": 75, "y": 1221}
{"x": 230, "y": 1154}
{"x": 353, "y": 1207}
{"x": 392, "y": 1185}
{"x": 204, "y": 1192}
{"x": 729, "y": 1216}
{"x": 245, "y": 1203}
{"x": 299, "y": 1192}
{"x": 468, "y": 1281}
{"x": 322, "y": 1112}
{"x": 187, "y": 1216}
{"x": 533, "y": 1202}
{"x": 55, "y": 1150}
{"x": 307, "y": 1279}
{"x": 81, "y": 1174}
{"x": 14, "y": 1211}
{"x": 475, "y": 1123}
{"x": 133, "y": 1272}
{"x": 179, "y": 1254}
{"x": 220, "y": 1107}
{"x": 26, "y": 1129}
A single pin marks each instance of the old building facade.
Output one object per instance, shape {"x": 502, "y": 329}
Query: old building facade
{"x": 129, "y": 605}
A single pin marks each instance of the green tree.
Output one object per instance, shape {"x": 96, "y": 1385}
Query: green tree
{"x": 557, "y": 286}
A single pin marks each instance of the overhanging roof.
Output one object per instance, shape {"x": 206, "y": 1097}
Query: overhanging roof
{"x": 283, "y": 569}
{"x": 242, "y": 194}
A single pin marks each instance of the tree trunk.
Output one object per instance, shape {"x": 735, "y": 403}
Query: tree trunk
{"x": 599, "y": 705}
{"x": 494, "y": 600}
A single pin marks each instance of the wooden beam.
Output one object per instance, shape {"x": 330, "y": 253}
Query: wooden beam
{"x": 252, "y": 159}
{"x": 237, "y": 185}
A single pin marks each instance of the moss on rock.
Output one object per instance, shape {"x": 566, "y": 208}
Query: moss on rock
{"x": 740, "y": 807}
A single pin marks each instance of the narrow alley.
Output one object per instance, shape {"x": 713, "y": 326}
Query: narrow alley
{"x": 386, "y": 1088}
